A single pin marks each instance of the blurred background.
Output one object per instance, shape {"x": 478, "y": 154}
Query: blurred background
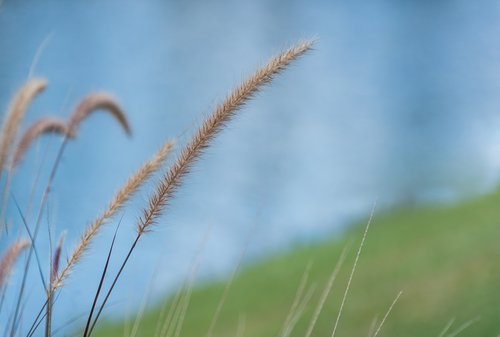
{"x": 398, "y": 104}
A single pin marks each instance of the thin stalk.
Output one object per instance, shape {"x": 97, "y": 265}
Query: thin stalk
{"x": 101, "y": 281}
{"x": 35, "y": 233}
{"x": 358, "y": 254}
{"x": 132, "y": 248}
{"x": 209, "y": 129}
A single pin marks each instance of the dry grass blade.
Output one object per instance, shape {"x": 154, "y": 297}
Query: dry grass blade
{"x": 9, "y": 258}
{"x": 447, "y": 327}
{"x": 38, "y": 53}
{"x": 299, "y": 312}
{"x": 37, "y": 129}
{"x": 223, "y": 113}
{"x": 297, "y": 299}
{"x": 169, "y": 320}
{"x": 142, "y": 310}
{"x": 373, "y": 326}
{"x": 326, "y": 292}
{"x": 181, "y": 297}
{"x": 15, "y": 114}
{"x": 240, "y": 332}
{"x": 92, "y": 103}
{"x": 123, "y": 195}
{"x": 181, "y": 315}
{"x": 358, "y": 254}
{"x": 387, "y": 314}
{"x": 464, "y": 326}
{"x": 222, "y": 300}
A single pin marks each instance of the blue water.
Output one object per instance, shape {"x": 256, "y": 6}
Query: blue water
{"x": 397, "y": 103}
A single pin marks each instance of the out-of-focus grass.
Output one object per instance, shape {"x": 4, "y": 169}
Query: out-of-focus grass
{"x": 445, "y": 259}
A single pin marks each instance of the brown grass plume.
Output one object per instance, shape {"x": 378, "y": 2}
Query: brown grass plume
{"x": 123, "y": 195}
{"x": 15, "y": 114}
{"x": 10, "y": 258}
{"x": 37, "y": 129}
{"x": 92, "y": 103}
{"x": 223, "y": 113}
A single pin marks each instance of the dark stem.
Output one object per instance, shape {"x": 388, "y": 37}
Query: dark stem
{"x": 101, "y": 281}
{"x": 114, "y": 283}
{"x": 35, "y": 235}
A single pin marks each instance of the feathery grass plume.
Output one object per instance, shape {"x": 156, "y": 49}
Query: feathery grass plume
{"x": 84, "y": 109}
{"x": 223, "y": 113}
{"x": 15, "y": 114}
{"x": 88, "y": 105}
{"x": 54, "y": 267}
{"x": 9, "y": 258}
{"x": 208, "y": 130}
{"x": 93, "y": 102}
{"x": 57, "y": 257}
{"x": 123, "y": 195}
{"x": 37, "y": 129}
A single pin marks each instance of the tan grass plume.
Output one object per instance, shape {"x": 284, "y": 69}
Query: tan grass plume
{"x": 223, "y": 113}
{"x": 15, "y": 114}
{"x": 92, "y": 103}
{"x": 123, "y": 195}
{"x": 207, "y": 131}
{"x": 57, "y": 257}
{"x": 37, "y": 129}
{"x": 10, "y": 258}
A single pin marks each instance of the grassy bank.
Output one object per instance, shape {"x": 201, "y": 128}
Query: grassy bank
{"x": 446, "y": 260}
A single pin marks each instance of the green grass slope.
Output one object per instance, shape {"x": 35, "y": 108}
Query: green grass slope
{"x": 446, "y": 260}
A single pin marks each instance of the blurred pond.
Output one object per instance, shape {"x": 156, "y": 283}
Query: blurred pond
{"x": 398, "y": 103}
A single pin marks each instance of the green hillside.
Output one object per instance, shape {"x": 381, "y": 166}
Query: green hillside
{"x": 446, "y": 260}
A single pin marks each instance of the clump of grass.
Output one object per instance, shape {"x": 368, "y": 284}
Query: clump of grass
{"x": 90, "y": 104}
{"x": 158, "y": 201}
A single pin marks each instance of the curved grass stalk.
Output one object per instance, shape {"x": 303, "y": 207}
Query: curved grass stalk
{"x": 387, "y": 314}
{"x": 358, "y": 254}
{"x": 209, "y": 129}
{"x": 325, "y": 293}
{"x": 42, "y": 126}
{"x": 94, "y": 102}
{"x": 121, "y": 197}
{"x": 15, "y": 114}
